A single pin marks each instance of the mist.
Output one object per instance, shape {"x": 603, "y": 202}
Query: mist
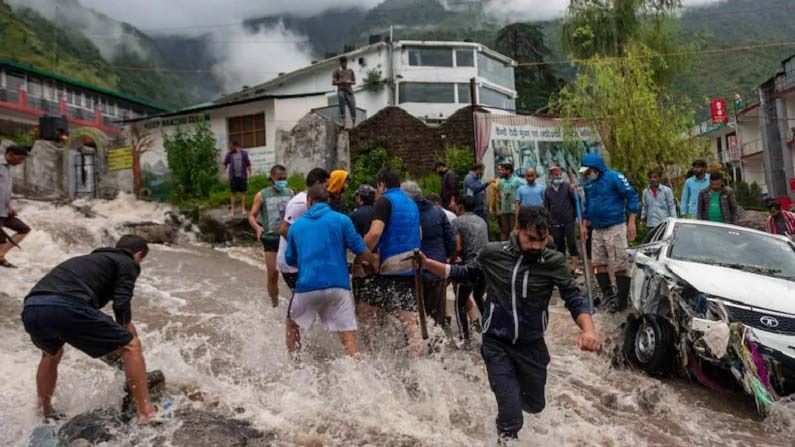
{"x": 524, "y": 10}
{"x": 247, "y": 59}
{"x": 107, "y": 34}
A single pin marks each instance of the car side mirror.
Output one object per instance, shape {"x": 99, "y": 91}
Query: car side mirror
{"x": 652, "y": 251}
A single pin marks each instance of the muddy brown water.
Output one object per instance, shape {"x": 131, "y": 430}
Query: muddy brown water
{"x": 206, "y": 322}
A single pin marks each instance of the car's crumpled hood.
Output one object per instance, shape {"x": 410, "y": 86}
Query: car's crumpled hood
{"x": 748, "y": 288}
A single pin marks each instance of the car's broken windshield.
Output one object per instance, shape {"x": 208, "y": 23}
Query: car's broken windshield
{"x": 734, "y": 248}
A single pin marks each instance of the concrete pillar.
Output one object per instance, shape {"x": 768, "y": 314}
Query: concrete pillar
{"x": 771, "y": 143}
{"x": 786, "y": 152}
{"x": 343, "y": 157}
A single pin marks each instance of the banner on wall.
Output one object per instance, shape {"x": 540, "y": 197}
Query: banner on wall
{"x": 530, "y": 142}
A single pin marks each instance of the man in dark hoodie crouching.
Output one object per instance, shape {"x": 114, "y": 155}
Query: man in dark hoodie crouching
{"x": 520, "y": 275}
{"x": 64, "y": 308}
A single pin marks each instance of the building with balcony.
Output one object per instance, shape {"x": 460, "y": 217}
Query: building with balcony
{"x": 776, "y": 113}
{"x": 430, "y": 80}
{"x": 27, "y": 93}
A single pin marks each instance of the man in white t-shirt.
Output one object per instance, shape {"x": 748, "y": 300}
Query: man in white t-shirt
{"x": 296, "y": 208}
{"x": 437, "y": 200}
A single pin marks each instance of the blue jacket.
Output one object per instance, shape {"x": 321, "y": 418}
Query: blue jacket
{"x": 438, "y": 239}
{"x": 316, "y": 244}
{"x": 693, "y": 187}
{"x": 610, "y": 197}
{"x": 657, "y": 208}
{"x": 402, "y": 232}
{"x": 475, "y": 188}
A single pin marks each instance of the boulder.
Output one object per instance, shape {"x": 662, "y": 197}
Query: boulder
{"x": 217, "y": 226}
{"x": 154, "y": 233}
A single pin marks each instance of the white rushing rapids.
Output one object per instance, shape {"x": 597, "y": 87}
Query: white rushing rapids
{"x": 206, "y": 322}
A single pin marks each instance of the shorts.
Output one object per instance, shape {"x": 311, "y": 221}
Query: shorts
{"x": 610, "y": 247}
{"x": 238, "y": 184}
{"x": 334, "y": 307}
{"x": 52, "y": 320}
{"x": 390, "y": 293}
{"x": 270, "y": 243}
{"x": 507, "y": 222}
{"x": 290, "y": 279}
{"x": 15, "y": 225}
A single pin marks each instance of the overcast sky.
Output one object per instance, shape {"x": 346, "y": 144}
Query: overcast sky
{"x": 181, "y": 16}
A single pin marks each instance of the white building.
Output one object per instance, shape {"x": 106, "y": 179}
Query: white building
{"x": 430, "y": 80}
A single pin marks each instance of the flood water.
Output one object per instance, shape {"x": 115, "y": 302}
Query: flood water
{"x": 206, "y": 322}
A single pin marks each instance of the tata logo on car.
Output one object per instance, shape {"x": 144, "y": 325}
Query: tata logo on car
{"x": 769, "y": 321}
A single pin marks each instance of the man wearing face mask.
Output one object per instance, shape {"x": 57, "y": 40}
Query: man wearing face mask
{"x": 560, "y": 200}
{"x": 520, "y": 275}
{"x": 609, "y": 198}
{"x": 265, "y": 218}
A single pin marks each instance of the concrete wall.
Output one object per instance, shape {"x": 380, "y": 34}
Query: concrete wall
{"x": 312, "y": 143}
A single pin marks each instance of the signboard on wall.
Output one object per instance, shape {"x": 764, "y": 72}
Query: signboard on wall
{"x": 717, "y": 108}
{"x": 262, "y": 159}
{"x": 531, "y": 142}
{"x": 120, "y": 158}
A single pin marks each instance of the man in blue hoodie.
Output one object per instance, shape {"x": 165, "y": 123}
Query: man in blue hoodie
{"x": 316, "y": 245}
{"x": 608, "y": 199}
{"x": 520, "y": 275}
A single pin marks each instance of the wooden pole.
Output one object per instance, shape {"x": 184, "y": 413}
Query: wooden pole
{"x": 420, "y": 296}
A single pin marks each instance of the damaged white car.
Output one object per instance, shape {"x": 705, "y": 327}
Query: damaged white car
{"x": 715, "y": 302}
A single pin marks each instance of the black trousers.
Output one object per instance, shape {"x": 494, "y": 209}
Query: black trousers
{"x": 517, "y": 376}
{"x": 462, "y": 292}
{"x": 565, "y": 237}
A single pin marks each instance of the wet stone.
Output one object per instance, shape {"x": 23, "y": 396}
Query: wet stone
{"x": 203, "y": 428}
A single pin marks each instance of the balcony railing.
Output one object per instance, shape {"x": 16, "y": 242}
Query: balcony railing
{"x": 36, "y": 105}
{"x": 752, "y": 147}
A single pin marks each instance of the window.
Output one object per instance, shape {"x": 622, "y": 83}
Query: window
{"x": 464, "y": 58}
{"x": 426, "y": 92}
{"x": 34, "y": 88}
{"x": 248, "y": 131}
{"x": 464, "y": 94}
{"x": 431, "y": 57}
{"x": 495, "y": 71}
{"x": 492, "y": 98}
{"x": 14, "y": 81}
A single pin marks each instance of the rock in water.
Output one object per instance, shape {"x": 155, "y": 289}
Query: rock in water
{"x": 154, "y": 233}
{"x": 218, "y": 226}
{"x": 44, "y": 436}
{"x": 94, "y": 426}
{"x": 196, "y": 428}
{"x": 203, "y": 428}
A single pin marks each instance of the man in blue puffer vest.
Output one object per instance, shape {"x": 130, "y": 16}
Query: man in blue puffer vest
{"x": 395, "y": 232}
{"x": 608, "y": 199}
{"x": 316, "y": 245}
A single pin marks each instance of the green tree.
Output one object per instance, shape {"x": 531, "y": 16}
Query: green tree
{"x": 193, "y": 160}
{"x": 535, "y": 84}
{"x": 640, "y": 124}
{"x": 610, "y": 28}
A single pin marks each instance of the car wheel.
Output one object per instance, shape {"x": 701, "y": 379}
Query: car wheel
{"x": 651, "y": 348}
{"x": 630, "y": 328}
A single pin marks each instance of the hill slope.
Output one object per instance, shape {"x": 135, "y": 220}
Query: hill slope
{"x": 132, "y": 64}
